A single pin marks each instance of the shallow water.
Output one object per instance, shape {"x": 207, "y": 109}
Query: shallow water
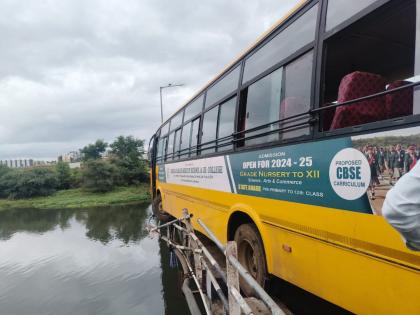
{"x": 92, "y": 261}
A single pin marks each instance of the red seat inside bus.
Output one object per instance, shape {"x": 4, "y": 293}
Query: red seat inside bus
{"x": 355, "y": 85}
{"x": 400, "y": 103}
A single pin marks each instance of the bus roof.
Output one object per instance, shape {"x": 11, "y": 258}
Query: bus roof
{"x": 260, "y": 38}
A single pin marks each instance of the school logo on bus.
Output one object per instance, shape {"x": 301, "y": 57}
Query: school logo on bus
{"x": 350, "y": 174}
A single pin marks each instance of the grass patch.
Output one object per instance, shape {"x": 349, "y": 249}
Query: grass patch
{"x": 78, "y": 198}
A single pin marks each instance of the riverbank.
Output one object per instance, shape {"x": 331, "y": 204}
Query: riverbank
{"x": 77, "y": 198}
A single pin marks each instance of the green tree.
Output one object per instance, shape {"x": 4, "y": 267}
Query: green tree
{"x": 127, "y": 147}
{"x": 63, "y": 175}
{"x": 99, "y": 176}
{"x": 93, "y": 151}
{"x": 127, "y": 155}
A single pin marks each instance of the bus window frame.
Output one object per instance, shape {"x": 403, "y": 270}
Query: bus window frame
{"x": 180, "y": 112}
{"x": 275, "y": 32}
{"x": 186, "y": 151}
{"x": 195, "y": 149}
{"x": 369, "y": 9}
{"x": 169, "y": 156}
{"x": 244, "y": 87}
{"x": 322, "y": 37}
{"x": 203, "y": 94}
{"x": 168, "y": 122}
{"x": 288, "y": 22}
{"x": 176, "y": 153}
{"x": 232, "y": 68}
{"x": 317, "y": 76}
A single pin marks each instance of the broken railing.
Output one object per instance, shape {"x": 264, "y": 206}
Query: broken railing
{"x": 218, "y": 291}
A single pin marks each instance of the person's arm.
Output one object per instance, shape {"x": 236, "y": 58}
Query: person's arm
{"x": 402, "y": 207}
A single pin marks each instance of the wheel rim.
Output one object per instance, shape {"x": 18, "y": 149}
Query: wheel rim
{"x": 249, "y": 257}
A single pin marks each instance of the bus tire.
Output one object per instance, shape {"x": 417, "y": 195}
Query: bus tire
{"x": 251, "y": 255}
{"x": 158, "y": 211}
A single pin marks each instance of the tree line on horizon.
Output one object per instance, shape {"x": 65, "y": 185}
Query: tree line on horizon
{"x": 123, "y": 165}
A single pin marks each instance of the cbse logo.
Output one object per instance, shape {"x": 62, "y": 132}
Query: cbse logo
{"x": 350, "y": 174}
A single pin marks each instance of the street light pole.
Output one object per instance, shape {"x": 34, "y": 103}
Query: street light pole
{"x": 161, "y": 106}
{"x": 161, "y": 102}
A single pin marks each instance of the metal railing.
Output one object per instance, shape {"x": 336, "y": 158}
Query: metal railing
{"x": 206, "y": 273}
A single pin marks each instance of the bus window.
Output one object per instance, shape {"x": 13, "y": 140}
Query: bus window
{"x": 226, "y": 124}
{"x": 262, "y": 106}
{"x": 194, "y": 108}
{"x": 161, "y": 149}
{"x": 223, "y": 87}
{"x": 209, "y": 131}
{"x": 339, "y": 11}
{"x": 164, "y": 130}
{"x": 170, "y": 147}
{"x": 297, "y": 96}
{"x": 177, "y": 141}
{"x": 375, "y": 54}
{"x": 176, "y": 121}
{"x": 300, "y": 33}
{"x": 195, "y": 127}
{"x": 185, "y": 140}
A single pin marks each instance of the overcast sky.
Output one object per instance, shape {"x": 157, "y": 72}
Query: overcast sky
{"x": 73, "y": 71}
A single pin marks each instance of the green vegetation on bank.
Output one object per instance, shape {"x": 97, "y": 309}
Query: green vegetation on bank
{"x": 109, "y": 174}
{"x": 79, "y": 198}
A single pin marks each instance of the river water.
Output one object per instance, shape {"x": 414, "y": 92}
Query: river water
{"x": 91, "y": 261}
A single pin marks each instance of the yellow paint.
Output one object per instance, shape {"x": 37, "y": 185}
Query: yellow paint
{"x": 354, "y": 260}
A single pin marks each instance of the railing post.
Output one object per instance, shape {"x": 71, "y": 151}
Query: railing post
{"x": 197, "y": 256}
{"x": 232, "y": 278}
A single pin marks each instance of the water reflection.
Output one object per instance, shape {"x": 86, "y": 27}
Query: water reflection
{"x": 94, "y": 261}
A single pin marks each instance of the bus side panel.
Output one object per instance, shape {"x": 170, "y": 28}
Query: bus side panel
{"x": 330, "y": 254}
{"x": 355, "y": 281}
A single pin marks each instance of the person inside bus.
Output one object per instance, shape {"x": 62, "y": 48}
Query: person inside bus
{"x": 401, "y": 207}
{"x": 410, "y": 158}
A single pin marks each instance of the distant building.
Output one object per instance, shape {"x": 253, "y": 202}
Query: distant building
{"x": 71, "y": 157}
{"x": 25, "y": 163}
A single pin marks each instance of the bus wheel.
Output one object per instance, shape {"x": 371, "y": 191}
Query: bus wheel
{"x": 158, "y": 211}
{"x": 251, "y": 255}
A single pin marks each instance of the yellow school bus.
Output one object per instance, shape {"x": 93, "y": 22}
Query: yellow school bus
{"x": 291, "y": 150}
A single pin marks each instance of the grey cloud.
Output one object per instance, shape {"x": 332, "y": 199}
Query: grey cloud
{"x": 73, "y": 71}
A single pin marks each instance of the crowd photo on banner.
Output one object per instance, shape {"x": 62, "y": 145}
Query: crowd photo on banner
{"x": 390, "y": 157}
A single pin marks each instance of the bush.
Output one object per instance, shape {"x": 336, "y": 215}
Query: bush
{"x": 3, "y": 171}
{"x": 76, "y": 178}
{"x": 28, "y": 183}
{"x": 131, "y": 171}
{"x": 99, "y": 176}
{"x": 63, "y": 175}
